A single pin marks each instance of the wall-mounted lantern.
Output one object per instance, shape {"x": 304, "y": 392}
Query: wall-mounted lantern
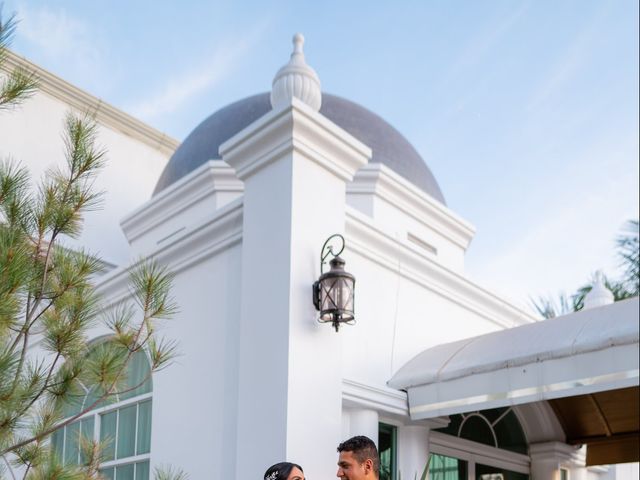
{"x": 334, "y": 291}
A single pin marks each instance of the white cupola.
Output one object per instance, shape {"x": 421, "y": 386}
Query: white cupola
{"x": 296, "y": 79}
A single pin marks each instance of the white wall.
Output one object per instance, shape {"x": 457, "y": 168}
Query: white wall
{"x": 32, "y": 134}
{"x": 194, "y": 400}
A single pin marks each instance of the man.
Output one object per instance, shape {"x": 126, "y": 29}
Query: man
{"x": 358, "y": 459}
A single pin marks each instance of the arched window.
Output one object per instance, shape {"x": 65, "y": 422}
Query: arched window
{"x": 497, "y": 427}
{"x": 123, "y": 421}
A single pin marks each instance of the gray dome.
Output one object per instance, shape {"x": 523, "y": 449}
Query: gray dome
{"x": 388, "y": 145}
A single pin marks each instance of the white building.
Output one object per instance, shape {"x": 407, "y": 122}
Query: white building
{"x": 240, "y": 213}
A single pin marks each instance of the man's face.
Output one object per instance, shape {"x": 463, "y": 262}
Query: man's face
{"x": 350, "y": 469}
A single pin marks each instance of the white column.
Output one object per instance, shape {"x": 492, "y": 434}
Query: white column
{"x": 364, "y": 422}
{"x": 548, "y": 458}
{"x": 577, "y": 465}
{"x": 295, "y": 165}
{"x": 413, "y": 450}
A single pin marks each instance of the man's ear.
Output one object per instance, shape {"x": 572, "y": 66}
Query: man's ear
{"x": 368, "y": 466}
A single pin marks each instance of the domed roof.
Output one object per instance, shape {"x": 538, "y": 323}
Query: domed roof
{"x": 389, "y": 147}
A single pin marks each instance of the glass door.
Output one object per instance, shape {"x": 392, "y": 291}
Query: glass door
{"x": 442, "y": 467}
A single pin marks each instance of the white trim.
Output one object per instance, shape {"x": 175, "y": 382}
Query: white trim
{"x": 221, "y": 231}
{"x": 84, "y": 102}
{"x": 376, "y": 179}
{"x": 371, "y": 242}
{"x": 540, "y": 392}
{"x": 121, "y": 462}
{"x": 585, "y": 352}
{"x": 383, "y": 400}
{"x": 443, "y": 444}
{"x": 215, "y": 176}
{"x": 294, "y": 127}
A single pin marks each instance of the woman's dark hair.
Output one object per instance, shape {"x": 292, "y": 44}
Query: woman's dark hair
{"x": 280, "y": 471}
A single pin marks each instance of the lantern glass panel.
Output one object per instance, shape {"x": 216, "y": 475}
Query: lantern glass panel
{"x": 336, "y": 297}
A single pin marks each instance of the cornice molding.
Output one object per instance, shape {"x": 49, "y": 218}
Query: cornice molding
{"x": 398, "y": 257}
{"x": 213, "y": 177}
{"x": 465, "y": 449}
{"x": 387, "y": 400}
{"x": 84, "y": 102}
{"x": 294, "y": 128}
{"x": 221, "y": 231}
{"x": 557, "y": 452}
{"x": 379, "y": 180}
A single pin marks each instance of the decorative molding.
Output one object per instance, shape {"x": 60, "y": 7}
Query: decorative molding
{"x": 464, "y": 449}
{"x": 539, "y": 422}
{"x": 294, "y": 127}
{"x": 558, "y": 452}
{"x": 194, "y": 244}
{"x": 296, "y": 79}
{"x": 379, "y": 180}
{"x": 213, "y": 177}
{"x": 82, "y": 101}
{"x": 367, "y": 240}
{"x": 383, "y": 400}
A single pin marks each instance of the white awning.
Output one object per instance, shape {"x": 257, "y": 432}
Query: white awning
{"x": 589, "y": 351}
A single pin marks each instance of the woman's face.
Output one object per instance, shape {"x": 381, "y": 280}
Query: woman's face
{"x": 296, "y": 474}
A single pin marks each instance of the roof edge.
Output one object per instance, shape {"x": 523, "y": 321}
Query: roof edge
{"x": 103, "y": 112}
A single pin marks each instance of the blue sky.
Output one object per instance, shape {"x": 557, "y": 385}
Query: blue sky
{"x": 525, "y": 111}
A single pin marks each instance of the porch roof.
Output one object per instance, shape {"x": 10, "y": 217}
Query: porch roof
{"x": 580, "y": 354}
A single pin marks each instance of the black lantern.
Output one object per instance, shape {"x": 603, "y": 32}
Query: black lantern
{"x": 333, "y": 292}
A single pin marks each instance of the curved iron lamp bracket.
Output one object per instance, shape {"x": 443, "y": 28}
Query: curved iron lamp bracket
{"x": 329, "y": 248}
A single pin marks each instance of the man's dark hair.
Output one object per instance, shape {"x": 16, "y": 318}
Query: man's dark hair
{"x": 362, "y": 448}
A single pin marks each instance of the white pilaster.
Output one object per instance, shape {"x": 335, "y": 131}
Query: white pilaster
{"x": 363, "y": 421}
{"x": 295, "y": 165}
{"x": 413, "y": 450}
{"x": 548, "y": 458}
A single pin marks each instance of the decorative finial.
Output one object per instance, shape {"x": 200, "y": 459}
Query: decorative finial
{"x": 296, "y": 79}
{"x": 599, "y": 294}
{"x": 298, "y": 43}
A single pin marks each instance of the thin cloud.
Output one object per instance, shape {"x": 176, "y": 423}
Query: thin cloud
{"x": 58, "y": 37}
{"x": 181, "y": 89}
{"x": 573, "y": 229}
{"x": 481, "y": 45}
{"x": 572, "y": 60}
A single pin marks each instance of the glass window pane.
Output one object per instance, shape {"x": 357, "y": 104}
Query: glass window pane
{"x": 108, "y": 473}
{"x": 387, "y": 449}
{"x": 137, "y": 371}
{"x": 57, "y": 443}
{"x": 125, "y": 472}
{"x": 476, "y": 429}
{"x": 442, "y": 467}
{"x": 108, "y": 434}
{"x": 144, "y": 427}
{"x": 72, "y": 434}
{"x": 510, "y": 434}
{"x": 86, "y": 426}
{"x": 126, "y": 432}
{"x": 94, "y": 394}
{"x": 86, "y": 431}
{"x": 142, "y": 470}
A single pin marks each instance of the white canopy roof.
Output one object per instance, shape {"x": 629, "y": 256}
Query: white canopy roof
{"x": 585, "y": 352}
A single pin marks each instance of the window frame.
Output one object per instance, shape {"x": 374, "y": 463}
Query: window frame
{"x": 98, "y": 412}
{"x": 393, "y": 431}
{"x": 473, "y": 452}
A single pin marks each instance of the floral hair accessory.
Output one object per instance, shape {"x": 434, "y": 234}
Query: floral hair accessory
{"x": 272, "y": 476}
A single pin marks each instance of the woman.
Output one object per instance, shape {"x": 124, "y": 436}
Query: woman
{"x": 284, "y": 471}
